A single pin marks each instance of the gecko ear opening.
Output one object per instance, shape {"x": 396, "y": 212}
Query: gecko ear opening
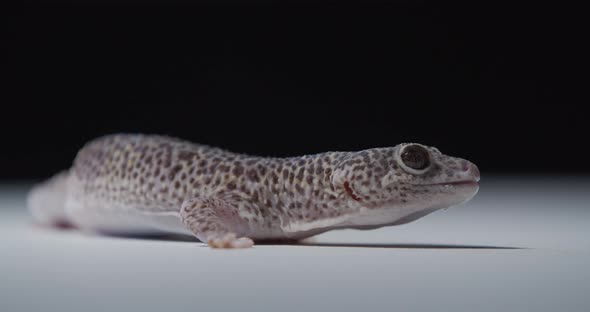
{"x": 342, "y": 172}
{"x": 341, "y": 177}
{"x": 350, "y": 191}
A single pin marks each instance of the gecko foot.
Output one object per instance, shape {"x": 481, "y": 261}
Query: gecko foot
{"x": 215, "y": 221}
{"x": 230, "y": 241}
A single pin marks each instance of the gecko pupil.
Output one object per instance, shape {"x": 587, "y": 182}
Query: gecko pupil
{"x": 415, "y": 157}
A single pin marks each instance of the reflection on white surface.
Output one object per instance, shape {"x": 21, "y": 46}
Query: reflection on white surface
{"x": 435, "y": 263}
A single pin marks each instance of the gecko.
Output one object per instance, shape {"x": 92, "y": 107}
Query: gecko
{"x": 139, "y": 184}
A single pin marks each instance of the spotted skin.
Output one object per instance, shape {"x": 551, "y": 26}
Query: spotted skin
{"x": 132, "y": 183}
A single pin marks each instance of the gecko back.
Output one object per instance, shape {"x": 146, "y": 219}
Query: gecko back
{"x": 121, "y": 184}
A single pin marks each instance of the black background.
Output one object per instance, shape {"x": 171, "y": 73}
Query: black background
{"x": 501, "y": 85}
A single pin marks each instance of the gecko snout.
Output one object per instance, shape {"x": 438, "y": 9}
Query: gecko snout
{"x": 471, "y": 171}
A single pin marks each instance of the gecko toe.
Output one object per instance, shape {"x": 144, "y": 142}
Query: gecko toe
{"x": 230, "y": 241}
{"x": 242, "y": 242}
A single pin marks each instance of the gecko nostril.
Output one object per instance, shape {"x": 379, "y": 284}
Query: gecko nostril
{"x": 470, "y": 169}
{"x": 465, "y": 165}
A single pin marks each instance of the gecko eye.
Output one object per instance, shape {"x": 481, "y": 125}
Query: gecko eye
{"x": 415, "y": 157}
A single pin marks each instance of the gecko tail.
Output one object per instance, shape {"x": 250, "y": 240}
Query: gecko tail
{"x": 46, "y": 201}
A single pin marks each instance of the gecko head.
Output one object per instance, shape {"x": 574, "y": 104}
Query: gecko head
{"x": 408, "y": 177}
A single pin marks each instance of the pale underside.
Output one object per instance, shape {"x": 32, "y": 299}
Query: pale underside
{"x": 135, "y": 221}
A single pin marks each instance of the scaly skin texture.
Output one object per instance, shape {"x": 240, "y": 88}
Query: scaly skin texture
{"x": 144, "y": 183}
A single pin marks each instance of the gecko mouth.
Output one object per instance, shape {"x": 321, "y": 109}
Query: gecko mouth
{"x": 459, "y": 186}
{"x": 466, "y": 183}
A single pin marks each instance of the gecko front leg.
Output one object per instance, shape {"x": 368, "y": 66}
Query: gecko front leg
{"x": 216, "y": 222}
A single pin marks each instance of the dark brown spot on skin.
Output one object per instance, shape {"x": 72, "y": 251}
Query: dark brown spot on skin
{"x": 238, "y": 170}
{"x": 318, "y": 170}
{"x": 365, "y": 156}
{"x": 300, "y": 174}
{"x": 383, "y": 163}
{"x": 299, "y": 189}
{"x": 176, "y": 185}
{"x": 359, "y": 168}
{"x": 174, "y": 171}
{"x": 252, "y": 175}
{"x": 186, "y": 155}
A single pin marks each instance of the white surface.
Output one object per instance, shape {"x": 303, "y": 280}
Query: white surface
{"x": 435, "y": 263}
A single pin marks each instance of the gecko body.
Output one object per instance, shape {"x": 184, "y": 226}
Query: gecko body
{"x": 148, "y": 184}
